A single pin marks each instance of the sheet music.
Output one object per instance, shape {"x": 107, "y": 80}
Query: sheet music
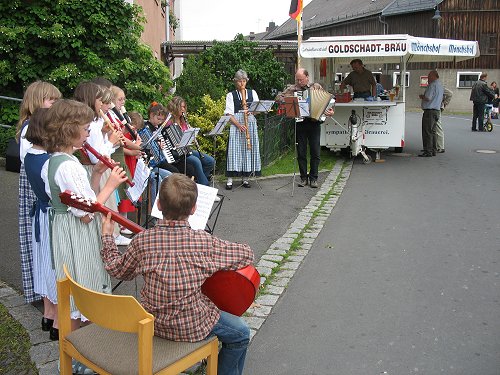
{"x": 304, "y": 108}
{"x": 219, "y": 127}
{"x": 141, "y": 176}
{"x": 204, "y": 203}
{"x": 261, "y": 106}
{"x": 188, "y": 137}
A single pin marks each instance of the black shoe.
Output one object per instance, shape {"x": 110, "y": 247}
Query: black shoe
{"x": 47, "y": 324}
{"x": 474, "y": 129}
{"x": 303, "y": 182}
{"x": 480, "y": 130}
{"x": 425, "y": 155}
{"x": 434, "y": 153}
{"x": 246, "y": 184}
{"x": 313, "y": 184}
{"x": 229, "y": 186}
{"x": 54, "y": 334}
{"x": 440, "y": 151}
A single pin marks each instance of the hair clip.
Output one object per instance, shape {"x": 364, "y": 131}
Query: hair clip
{"x": 154, "y": 104}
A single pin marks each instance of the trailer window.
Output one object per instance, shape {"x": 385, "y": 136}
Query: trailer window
{"x": 396, "y": 79}
{"x": 467, "y": 79}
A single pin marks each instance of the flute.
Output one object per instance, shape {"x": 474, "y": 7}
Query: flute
{"x": 120, "y": 113}
{"x": 106, "y": 162}
{"x": 245, "y": 117}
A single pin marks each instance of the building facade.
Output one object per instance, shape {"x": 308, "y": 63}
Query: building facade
{"x": 477, "y": 20}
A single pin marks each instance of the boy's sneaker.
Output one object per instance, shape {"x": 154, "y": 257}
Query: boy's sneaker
{"x": 313, "y": 184}
{"x": 122, "y": 241}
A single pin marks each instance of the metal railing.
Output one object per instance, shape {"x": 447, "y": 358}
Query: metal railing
{"x": 276, "y": 136}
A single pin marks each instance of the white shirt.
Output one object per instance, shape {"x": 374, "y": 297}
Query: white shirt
{"x": 70, "y": 175}
{"x": 230, "y": 103}
{"x": 24, "y": 145}
{"x": 99, "y": 141}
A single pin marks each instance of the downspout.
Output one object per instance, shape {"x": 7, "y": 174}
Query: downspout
{"x": 386, "y": 30}
{"x": 386, "y": 25}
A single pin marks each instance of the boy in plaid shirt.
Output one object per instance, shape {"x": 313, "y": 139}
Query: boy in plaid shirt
{"x": 174, "y": 261}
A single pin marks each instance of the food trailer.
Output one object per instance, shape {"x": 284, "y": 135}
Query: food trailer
{"x": 379, "y": 124}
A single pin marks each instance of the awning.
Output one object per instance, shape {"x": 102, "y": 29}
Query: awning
{"x": 388, "y": 48}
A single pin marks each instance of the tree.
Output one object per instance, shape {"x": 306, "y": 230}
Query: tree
{"x": 212, "y": 71}
{"x": 69, "y": 41}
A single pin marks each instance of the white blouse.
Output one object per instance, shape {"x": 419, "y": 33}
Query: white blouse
{"x": 70, "y": 175}
{"x": 99, "y": 141}
{"x": 230, "y": 103}
{"x": 24, "y": 145}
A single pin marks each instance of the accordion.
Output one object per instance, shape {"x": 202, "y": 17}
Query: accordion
{"x": 318, "y": 102}
{"x": 172, "y": 136}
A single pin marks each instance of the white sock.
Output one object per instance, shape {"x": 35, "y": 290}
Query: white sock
{"x": 229, "y": 181}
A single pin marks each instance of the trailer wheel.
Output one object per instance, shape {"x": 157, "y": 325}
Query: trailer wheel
{"x": 368, "y": 159}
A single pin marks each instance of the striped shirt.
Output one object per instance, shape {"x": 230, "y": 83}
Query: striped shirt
{"x": 174, "y": 261}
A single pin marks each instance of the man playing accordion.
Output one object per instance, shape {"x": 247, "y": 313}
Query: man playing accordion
{"x": 308, "y": 130}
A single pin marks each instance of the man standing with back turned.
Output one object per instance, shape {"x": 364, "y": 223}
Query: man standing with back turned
{"x": 431, "y": 104}
{"x": 480, "y": 95}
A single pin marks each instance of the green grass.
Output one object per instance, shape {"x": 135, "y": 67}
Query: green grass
{"x": 285, "y": 164}
{"x": 14, "y": 346}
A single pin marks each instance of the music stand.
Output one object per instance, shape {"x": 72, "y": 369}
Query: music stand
{"x": 294, "y": 109}
{"x": 216, "y": 131}
{"x": 261, "y": 106}
{"x": 256, "y": 107}
{"x": 188, "y": 137}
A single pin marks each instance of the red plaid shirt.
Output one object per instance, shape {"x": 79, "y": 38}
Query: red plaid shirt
{"x": 174, "y": 261}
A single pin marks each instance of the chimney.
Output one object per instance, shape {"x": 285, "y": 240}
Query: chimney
{"x": 271, "y": 26}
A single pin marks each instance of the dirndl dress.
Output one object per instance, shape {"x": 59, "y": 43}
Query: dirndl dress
{"x": 44, "y": 277}
{"x": 242, "y": 161}
{"x": 27, "y": 199}
{"x": 74, "y": 243}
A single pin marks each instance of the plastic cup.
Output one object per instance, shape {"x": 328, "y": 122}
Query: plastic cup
{"x": 391, "y": 96}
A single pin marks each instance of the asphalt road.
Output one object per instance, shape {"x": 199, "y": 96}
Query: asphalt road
{"x": 404, "y": 277}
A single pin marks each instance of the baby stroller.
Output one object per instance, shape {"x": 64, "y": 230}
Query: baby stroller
{"x": 488, "y": 125}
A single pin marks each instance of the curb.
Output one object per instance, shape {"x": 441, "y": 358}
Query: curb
{"x": 277, "y": 266}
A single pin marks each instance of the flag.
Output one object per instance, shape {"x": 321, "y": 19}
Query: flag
{"x": 296, "y": 9}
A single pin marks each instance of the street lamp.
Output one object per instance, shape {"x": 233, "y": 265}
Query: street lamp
{"x": 437, "y": 15}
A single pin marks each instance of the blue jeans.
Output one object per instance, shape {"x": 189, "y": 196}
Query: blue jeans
{"x": 234, "y": 334}
{"x": 203, "y": 166}
{"x": 152, "y": 178}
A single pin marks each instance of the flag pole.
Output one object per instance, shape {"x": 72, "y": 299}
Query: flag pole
{"x": 299, "y": 38}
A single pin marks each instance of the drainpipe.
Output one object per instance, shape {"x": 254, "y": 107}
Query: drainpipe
{"x": 386, "y": 30}
{"x": 167, "y": 21}
{"x": 386, "y": 25}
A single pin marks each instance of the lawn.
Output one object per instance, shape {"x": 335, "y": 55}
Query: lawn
{"x": 285, "y": 164}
